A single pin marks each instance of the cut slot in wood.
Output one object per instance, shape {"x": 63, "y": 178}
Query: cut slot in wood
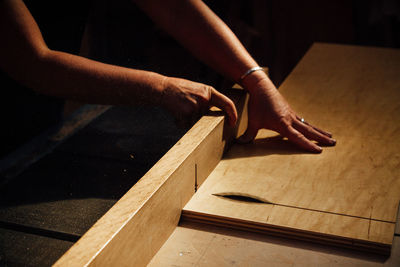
{"x": 242, "y": 197}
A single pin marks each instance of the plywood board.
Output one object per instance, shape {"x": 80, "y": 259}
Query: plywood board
{"x": 350, "y": 191}
{"x": 193, "y": 244}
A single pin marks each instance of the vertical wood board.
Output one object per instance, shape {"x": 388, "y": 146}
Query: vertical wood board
{"x": 133, "y": 230}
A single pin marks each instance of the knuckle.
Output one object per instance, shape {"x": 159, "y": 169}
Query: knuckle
{"x": 284, "y": 125}
{"x": 207, "y": 92}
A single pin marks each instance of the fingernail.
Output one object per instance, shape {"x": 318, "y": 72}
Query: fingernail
{"x": 333, "y": 141}
{"x": 319, "y": 149}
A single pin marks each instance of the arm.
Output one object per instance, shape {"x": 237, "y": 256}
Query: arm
{"x": 194, "y": 25}
{"x": 25, "y": 57}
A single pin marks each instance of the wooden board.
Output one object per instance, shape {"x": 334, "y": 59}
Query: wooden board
{"x": 133, "y": 230}
{"x": 83, "y": 176}
{"x": 347, "y": 195}
{"x": 193, "y": 244}
{"x": 78, "y": 176}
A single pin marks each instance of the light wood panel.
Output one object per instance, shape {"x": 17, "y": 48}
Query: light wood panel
{"x": 133, "y": 230}
{"x": 350, "y": 191}
{"x": 204, "y": 245}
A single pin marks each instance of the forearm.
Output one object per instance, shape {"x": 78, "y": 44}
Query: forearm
{"x": 74, "y": 77}
{"x": 196, "y": 27}
{"x": 25, "y": 57}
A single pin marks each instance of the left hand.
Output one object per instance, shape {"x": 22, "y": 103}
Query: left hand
{"x": 268, "y": 109}
{"x": 188, "y": 101}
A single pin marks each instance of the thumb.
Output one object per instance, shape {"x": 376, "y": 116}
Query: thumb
{"x": 248, "y": 135}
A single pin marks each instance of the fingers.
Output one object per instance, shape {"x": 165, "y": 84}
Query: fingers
{"x": 188, "y": 101}
{"x": 221, "y": 101}
{"x": 299, "y": 139}
{"x": 315, "y": 128}
{"x": 311, "y": 133}
{"x": 299, "y": 133}
{"x": 196, "y": 106}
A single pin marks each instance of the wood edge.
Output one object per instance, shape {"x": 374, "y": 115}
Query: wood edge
{"x": 99, "y": 240}
{"x": 397, "y": 226}
{"x": 287, "y": 232}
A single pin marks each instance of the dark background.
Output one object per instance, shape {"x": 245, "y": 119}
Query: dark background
{"x": 282, "y": 31}
{"x": 276, "y": 33}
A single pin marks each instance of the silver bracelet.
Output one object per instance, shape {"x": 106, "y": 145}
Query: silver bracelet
{"x": 249, "y": 72}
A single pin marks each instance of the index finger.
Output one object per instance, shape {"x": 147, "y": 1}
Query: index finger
{"x": 223, "y": 102}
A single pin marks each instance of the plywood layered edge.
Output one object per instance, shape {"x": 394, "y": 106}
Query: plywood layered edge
{"x": 290, "y": 232}
{"x": 134, "y": 229}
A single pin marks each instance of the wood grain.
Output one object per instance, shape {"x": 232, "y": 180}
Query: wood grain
{"x": 133, "y": 230}
{"x": 351, "y": 190}
{"x": 204, "y": 245}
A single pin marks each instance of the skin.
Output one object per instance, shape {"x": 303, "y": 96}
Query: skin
{"x": 25, "y": 56}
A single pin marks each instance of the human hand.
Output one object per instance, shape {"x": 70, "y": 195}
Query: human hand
{"x": 268, "y": 109}
{"x": 188, "y": 101}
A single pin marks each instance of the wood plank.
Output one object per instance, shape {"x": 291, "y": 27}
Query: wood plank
{"x": 69, "y": 189}
{"x": 360, "y": 104}
{"x": 319, "y": 227}
{"x": 194, "y": 244}
{"x": 355, "y": 187}
{"x": 65, "y": 192}
{"x": 148, "y": 213}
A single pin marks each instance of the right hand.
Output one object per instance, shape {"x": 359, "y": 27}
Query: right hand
{"x": 188, "y": 101}
{"x": 268, "y": 109}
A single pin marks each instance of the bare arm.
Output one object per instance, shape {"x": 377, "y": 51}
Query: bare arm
{"x": 193, "y": 24}
{"x": 25, "y": 57}
{"x": 197, "y": 28}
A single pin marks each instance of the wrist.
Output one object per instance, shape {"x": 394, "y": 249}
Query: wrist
{"x": 161, "y": 90}
{"x": 148, "y": 87}
{"x": 251, "y": 82}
